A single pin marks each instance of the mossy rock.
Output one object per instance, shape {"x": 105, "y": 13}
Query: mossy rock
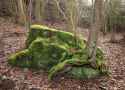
{"x": 53, "y": 50}
{"x": 84, "y": 72}
{"x": 55, "y": 35}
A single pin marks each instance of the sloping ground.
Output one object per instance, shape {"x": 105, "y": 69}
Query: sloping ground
{"x": 14, "y": 39}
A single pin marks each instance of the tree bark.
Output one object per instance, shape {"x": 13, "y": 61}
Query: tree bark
{"x": 37, "y": 11}
{"x": 94, "y": 32}
{"x": 21, "y": 12}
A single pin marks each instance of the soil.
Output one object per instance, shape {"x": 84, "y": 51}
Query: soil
{"x": 13, "y": 38}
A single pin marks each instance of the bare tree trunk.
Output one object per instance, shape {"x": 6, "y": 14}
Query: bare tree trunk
{"x": 114, "y": 14}
{"x": 113, "y": 39}
{"x": 71, "y": 12}
{"x": 105, "y": 17}
{"x": 21, "y": 12}
{"x": 94, "y": 32}
{"x": 30, "y": 8}
{"x": 37, "y": 11}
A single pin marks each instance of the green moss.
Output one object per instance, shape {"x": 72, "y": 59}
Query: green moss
{"x": 21, "y": 59}
{"x": 52, "y": 50}
{"x": 46, "y": 54}
{"x": 62, "y": 36}
{"x": 84, "y": 72}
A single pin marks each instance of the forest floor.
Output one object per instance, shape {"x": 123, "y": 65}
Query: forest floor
{"x": 13, "y": 40}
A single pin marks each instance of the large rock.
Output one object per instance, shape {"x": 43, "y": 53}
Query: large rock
{"x": 55, "y": 50}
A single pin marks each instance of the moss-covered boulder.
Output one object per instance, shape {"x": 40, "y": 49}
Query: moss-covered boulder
{"x": 54, "y": 51}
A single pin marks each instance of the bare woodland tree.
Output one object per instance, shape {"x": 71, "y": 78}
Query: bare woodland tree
{"x": 114, "y": 13}
{"x": 39, "y": 10}
{"x": 70, "y": 14}
{"x": 94, "y": 32}
{"x": 21, "y": 11}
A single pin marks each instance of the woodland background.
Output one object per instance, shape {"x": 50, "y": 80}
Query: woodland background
{"x": 102, "y": 21}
